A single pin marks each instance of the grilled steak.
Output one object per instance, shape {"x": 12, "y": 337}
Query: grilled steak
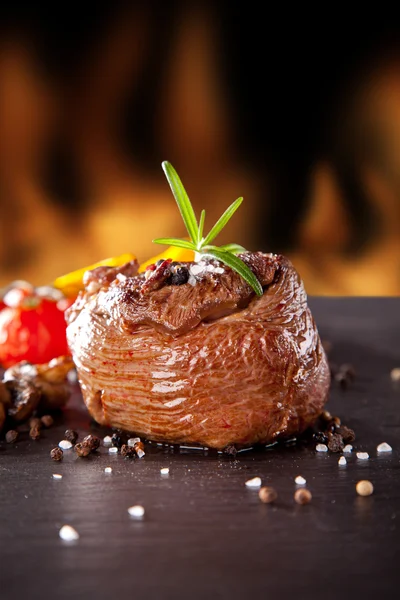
{"x": 187, "y": 353}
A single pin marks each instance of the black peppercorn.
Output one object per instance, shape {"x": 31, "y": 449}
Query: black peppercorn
{"x": 116, "y": 440}
{"x": 35, "y": 423}
{"x": 230, "y": 450}
{"x": 335, "y": 442}
{"x": 128, "y": 451}
{"x": 303, "y": 496}
{"x": 267, "y": 494}
{"x": 34, "y": 433}
{"x": 343, "y": 380}
{"x": 348, "y": 370}
{"x": 320, "y": 437}
{"x": 179, "y": 276}
{"x": 347, "y": 434}
{"x": 11, "y": 436}
{"x": 57, "y": 453}
{"x": 47, "y": 420}
{"x": 93, "y": 441}
{"x": 83, "y": 449}
{"x": 71, "y": 435}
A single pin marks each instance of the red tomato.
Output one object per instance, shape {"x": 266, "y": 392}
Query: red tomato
{"x": 34, "y": 331}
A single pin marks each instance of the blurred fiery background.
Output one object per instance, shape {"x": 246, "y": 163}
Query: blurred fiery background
{"x": 299, "y": 114}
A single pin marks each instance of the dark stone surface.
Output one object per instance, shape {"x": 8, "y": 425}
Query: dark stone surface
{"x": 205, "y": 535}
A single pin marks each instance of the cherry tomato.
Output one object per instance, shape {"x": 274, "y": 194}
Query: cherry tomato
{"x": 32, "y": 329}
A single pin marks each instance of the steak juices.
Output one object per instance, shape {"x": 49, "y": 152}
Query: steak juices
{"x": 189, "y": 353}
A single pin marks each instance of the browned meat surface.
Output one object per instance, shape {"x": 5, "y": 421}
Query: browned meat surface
{"x": 105, "y": 275}
{"x": 200, "y": 358}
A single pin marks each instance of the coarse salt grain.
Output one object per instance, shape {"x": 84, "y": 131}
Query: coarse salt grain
{"x": 299, "y": 480}
{"x": 192, "y": 280}
{"x": 321, "y": 448}
{"x": 113, "y": 450}
{"x": 65, "y": 445}
{"x": 348, "y": 448}
{"x": 254, "y": 483}
{"x": 72, "y": 376}
{"x": 57, "y": 476}
{"x": 133, "y": 441}
{"x": 68, "y": 533}
{"x": 362, "y": 455}
{"x": 107, "y": 440}
{"x": 136, "y": 511}
{"x": 164, "y": 471}
{"x": 384, "y": 447}
{"x": 140, "y": 453}
{"x": 108, "y": 470}
{"x": 342, "y": 461}
{"x": 196, "y": 269}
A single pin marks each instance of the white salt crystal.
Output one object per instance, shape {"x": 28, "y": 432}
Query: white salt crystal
{"x": 300, "y": 480}
{"x": 384, "y": 447}
{"x": 93, "y": 287}
{"x": 136, "y": 511}
{"x": 133, "y": 441}
{"x": 57, "y": 476}
{"x": 362, "y": 455}
{"x": 196, "y": 269}
{"x": 219, "y": 270}
{"x": 108, "y": 470}
{"x": 140, "y": 453}
{"x": 164, "y": 471}
{"x": 113, "y": 450}
{"x": 192, "y": 280}
{"x": 254, "y": 483}
{"x": 68, "y": 533}
{"x": 342, "y": 461}
{"x": 348, "y": 448}
{"x": 321, "y": 448}
{"x": 107, "y": 440}
{"x": 72, "y": 376}
{"x": 65, "y": 444}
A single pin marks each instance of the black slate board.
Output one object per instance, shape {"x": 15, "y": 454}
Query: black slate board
{"x": 204, "y": 534}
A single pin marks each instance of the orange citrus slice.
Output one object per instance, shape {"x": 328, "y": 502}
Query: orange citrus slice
{"x": 71, "y": 283}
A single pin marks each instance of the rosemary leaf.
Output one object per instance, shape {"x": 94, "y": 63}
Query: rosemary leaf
{"x": 201, "y": 225}
{"x": 179, "y": 243}
{"x": 222, "y": 221}
{"x": 233, "y": 248}
{"x": 183, "y": 202}
{"x": 237, "y": 265}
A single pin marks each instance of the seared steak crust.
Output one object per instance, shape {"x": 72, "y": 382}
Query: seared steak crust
{"x": 206, "y": 362}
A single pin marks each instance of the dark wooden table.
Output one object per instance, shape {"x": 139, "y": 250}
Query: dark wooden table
{"x": 204, "y": 534}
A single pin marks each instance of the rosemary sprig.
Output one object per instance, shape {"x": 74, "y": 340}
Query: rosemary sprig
{"x": 202, "y": 245}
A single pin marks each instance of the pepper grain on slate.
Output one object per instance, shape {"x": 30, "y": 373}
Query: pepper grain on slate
{"x": 57, "y": 454}
{"x": 71, "y": 435}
